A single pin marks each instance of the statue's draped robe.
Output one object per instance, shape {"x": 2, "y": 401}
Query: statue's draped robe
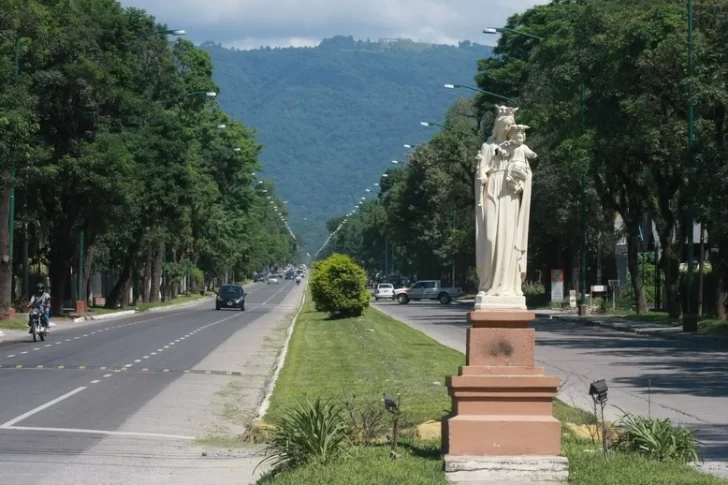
{"x": 501, "y": 230}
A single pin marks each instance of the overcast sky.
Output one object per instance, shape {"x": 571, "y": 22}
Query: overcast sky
{"x": 249, "y": 24}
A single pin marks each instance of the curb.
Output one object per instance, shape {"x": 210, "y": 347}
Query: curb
{"x": 627, "y": 328}
{"x": 128, "y": 313}
{"x": 111, "y": 316}
{"x": 265, "y": 404}
{"x": 179, "y": 305}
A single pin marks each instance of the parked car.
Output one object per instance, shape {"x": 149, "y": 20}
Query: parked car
{"x": 273, "y": 279}
{"x": 230, "y": 297}
{"x": 259, "y": 278}
{"x": 384, "y": 290}
{"x": 427, "y": 290}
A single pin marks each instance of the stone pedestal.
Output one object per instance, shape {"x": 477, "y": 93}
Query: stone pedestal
{"x": 502, "y": 406}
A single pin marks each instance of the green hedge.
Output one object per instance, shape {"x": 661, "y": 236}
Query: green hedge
{"x": 338, "y": 287}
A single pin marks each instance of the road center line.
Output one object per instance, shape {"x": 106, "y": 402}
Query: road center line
{"x": 40, "y": 408}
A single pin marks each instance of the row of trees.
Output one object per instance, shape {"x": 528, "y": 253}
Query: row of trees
{"x": 607, "y": 90}
{"x": 117, "y": 157}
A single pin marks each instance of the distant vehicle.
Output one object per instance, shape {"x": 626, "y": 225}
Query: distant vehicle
{"x": 290, "y": 275}
{"x": 427, "y": 290}
{"x": 231, "y": 297}
{"x": 273, "y": 279}
{"x": 258, "y": 278}
{"x": 384, "y": 290}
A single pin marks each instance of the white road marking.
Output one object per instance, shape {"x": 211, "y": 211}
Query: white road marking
{"x": 154, "y": 353}
{"x": 59, "y": 343}
{"x": 166, "y": 347}
{"x": 68, "y": 340}
{"x": 84, "y": 335}
{"x": 48, "y": 345}
{"x": 11, "y": 356}
{"x": 138, "y": 360}
{"x": 24, "y": 352}
{"x": 158, "y": 350}
{"x": 40, "y": 408}
{"x": 37, "y": 348}
{"x": 102, "y": 432}
{"x": 145, "y": 357}
{"x": 107, "y": 375}
{"x": 95, "y": 382}
{"x": 128, "y": 365}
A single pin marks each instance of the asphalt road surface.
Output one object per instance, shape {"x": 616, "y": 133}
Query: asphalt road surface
{"x": 677, "y": 379}
{"x": 128, "y": 400}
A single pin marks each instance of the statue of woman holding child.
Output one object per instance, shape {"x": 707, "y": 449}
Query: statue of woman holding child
{"x": 503, "y": 206}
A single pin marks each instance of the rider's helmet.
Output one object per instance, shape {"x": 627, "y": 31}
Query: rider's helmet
{"x": 40, "y": 287}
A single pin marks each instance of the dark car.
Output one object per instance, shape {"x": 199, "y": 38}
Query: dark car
{"x": 258, "y": 278}
{"x": 230, "y": 296}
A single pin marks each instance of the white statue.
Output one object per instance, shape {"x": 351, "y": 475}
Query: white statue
{"x": 503, "y": 206}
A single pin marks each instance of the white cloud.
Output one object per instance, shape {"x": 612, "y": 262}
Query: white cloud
{"x": 252, "y": 23}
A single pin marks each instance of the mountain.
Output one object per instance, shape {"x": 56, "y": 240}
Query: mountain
{"x": 331, "y": 118}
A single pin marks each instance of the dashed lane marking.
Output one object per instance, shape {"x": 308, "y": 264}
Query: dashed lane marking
{"x": 147, "y": 370}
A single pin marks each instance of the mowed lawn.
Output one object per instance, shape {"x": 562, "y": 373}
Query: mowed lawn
{"x": 374, "y": 354}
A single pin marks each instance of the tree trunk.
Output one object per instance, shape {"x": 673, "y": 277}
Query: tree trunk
{"x": 59, "y": 276}
{"x": 147, "y": 278}
{"x": 156, "y": 274}
{"x": 670, "y": 265}
{"x": 116, "y": 295}
{"x": 720, "y": 272}
{"x": 575, "y": 269}
{"x": 88, "y": 274}
{"x": 6, "y": 268}
{"x": 173, "y": 285}
{"x": 633, "y": 263}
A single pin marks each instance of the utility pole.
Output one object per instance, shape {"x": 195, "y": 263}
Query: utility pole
{"x": 690, "y": 319}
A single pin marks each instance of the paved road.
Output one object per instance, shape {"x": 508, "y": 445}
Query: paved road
{"x": 123, "y": 401}
{"x": 683, "y": 381}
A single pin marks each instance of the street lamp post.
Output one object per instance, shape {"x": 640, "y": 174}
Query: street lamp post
{"x": 495, "y": 95}
{"x": 432, "y": 123}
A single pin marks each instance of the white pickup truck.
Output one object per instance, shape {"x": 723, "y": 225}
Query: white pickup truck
{"x": 426, "y": 290}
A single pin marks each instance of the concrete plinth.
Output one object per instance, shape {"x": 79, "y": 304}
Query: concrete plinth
{"x": 501, "y": 428}
{"x": 490, "y": 470}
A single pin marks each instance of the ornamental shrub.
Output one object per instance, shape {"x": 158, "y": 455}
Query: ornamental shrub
{"x": 338, "y": 287}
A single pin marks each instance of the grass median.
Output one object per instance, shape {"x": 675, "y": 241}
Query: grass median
{"x": 376, "y": 354}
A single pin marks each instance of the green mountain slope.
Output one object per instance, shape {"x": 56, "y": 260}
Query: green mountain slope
{"x": 333, "y": 117}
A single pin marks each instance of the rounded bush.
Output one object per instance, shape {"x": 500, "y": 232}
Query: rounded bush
{"x": 338, "y": 286}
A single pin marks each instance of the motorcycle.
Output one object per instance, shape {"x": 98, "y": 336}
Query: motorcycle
{"x": 36, "y": 325}
{"x": 298, "y": 281}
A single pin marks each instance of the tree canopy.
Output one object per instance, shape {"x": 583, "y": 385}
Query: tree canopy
{"x": 120, "y": 154}
{"x": 606, "y": 89}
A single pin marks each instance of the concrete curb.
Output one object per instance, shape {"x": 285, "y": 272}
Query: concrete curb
{"x": 111, "y": 316}
{"x": 644, "y": 332}
{"x": 265, "y": 404}
{"x": 180, "y": 305}
{"x": 128, "y": 313}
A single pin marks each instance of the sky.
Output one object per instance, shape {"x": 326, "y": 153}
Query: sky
{"x": 249, "y": 24}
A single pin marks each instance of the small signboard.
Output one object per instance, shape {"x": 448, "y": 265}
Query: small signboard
{"x": 572, "y": 298}
{"x": 599, "y": 288}
{"x": 557, "y": 285}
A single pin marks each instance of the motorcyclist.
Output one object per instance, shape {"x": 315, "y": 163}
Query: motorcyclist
{"x": 298, "y": 279}
{"x": 41, "y": 300}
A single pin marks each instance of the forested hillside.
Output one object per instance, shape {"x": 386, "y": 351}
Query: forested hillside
{"x": 333, "y": 117}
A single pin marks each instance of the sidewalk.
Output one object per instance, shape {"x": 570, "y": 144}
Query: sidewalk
{"x": 621, "y": 324}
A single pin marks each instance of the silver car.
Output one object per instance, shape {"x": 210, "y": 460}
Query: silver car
{"x": 273, "y": 279}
